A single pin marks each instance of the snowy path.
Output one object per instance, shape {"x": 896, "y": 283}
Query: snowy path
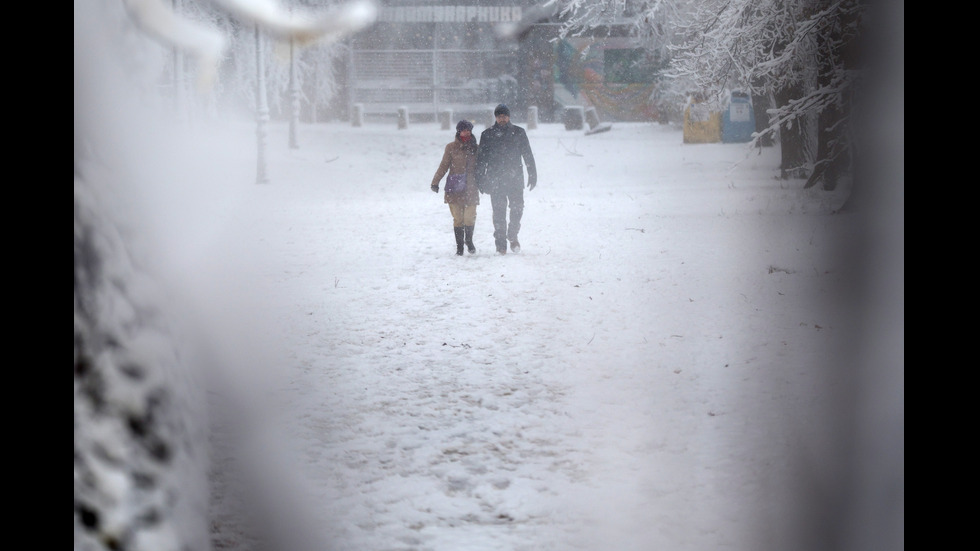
{"x": 625, "y": 382}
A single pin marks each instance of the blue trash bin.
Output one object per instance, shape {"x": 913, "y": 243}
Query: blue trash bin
{"x": 738, "y": 121}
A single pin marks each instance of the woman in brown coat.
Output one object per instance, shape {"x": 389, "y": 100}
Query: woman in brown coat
{"x": 459, "y": 160}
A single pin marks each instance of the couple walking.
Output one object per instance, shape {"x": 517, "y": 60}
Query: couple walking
{"x": 495, "y": 167}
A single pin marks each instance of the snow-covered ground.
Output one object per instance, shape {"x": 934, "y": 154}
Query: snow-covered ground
{"x": 664, "y": 365}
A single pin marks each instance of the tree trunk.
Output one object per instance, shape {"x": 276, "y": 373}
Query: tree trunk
{"x": 761, "y": 104}
{"x": 832, "y": 143}
{"x": 791, "y": 139}
{"x": 831, "y": 158}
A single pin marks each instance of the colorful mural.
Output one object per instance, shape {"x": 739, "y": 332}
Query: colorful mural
{"x": 607, "y": 74}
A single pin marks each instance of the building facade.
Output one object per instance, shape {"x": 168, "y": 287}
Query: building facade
{"x": 468, "y": 55}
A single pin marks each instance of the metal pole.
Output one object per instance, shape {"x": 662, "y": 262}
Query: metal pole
{"x": 262, "y": 107}
{"x": 178, "y": 80}
{"x": 435, "y": 74}
{"x": 351, "y": 80}
{"x": 293, "y": 97}
{"x": 316, "y": 87}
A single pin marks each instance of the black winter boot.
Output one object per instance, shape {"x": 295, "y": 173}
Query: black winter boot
{"x": 468, "y": 232}
{"x": 459, "y": 240}
{"x": 501, "y": 246}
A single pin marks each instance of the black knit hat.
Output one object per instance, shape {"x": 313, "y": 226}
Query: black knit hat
{"x": 501, "y": 110}
{"x": 464, "y": 125}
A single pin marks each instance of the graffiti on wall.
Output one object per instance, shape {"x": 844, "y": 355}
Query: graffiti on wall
{"x": 608, "y": 74}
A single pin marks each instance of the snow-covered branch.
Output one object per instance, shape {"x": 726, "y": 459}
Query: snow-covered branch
{"x": 208, "y": 43}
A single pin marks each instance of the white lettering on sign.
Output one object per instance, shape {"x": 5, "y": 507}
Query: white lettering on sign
{"x": 450, "y": 14}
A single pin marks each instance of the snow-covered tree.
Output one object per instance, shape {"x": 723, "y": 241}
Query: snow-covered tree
{"x": 657, "y": 25}
{"x": 799, "y": 59}
{"x": 142, "y": 418}
{"x": 655, "y": 22}
{"x": 232, "y": 90}
{"x": 801, "y": 55}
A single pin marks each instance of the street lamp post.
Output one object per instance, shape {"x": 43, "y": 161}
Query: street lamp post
{"x": 293, "y": 97}
{"x": 178, "y": 76}
{"x": 262, "y": 107}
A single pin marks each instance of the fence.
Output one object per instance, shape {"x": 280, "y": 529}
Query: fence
{"x": 427, "y": 81}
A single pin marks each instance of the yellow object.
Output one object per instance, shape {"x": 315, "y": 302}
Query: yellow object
{"x": 701, "y": 125}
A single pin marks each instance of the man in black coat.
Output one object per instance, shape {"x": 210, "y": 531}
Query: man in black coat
{"x": 500, "y": 174}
